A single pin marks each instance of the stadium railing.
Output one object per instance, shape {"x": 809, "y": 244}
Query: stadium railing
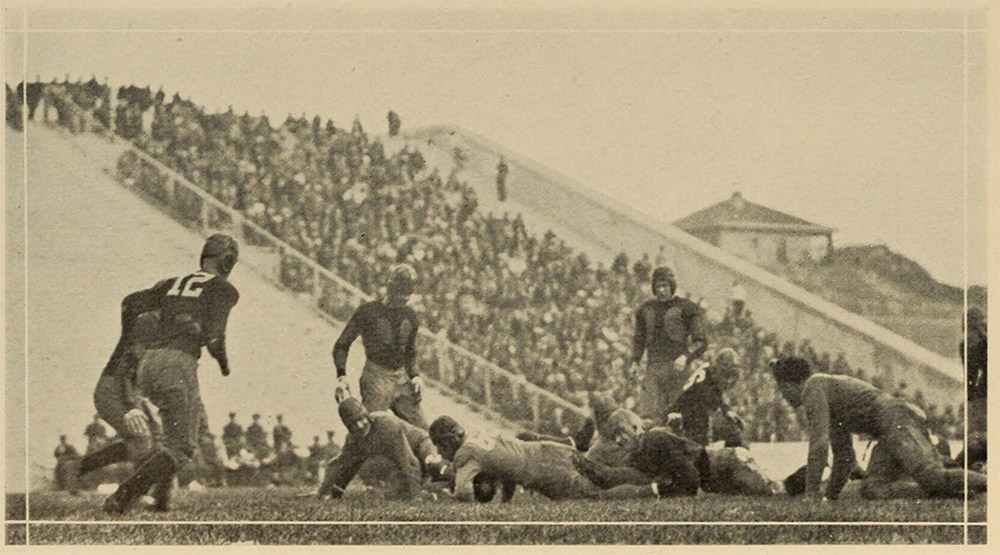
{"x": 508, "y": 394}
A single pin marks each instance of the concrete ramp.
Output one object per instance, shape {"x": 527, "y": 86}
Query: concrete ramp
{"x": 600, "y": 226}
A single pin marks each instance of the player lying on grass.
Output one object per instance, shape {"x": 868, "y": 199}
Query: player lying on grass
{"x": 409, "y": 450}
{"x": 836, "y": 406}
{"x": 542, "y": 466}
{"x": 679, "y": 465}
{"x": 690, "y": 415}
{"x": 593, "y": 437}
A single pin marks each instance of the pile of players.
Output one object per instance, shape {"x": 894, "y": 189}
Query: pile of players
{"x": 617, "y": 453}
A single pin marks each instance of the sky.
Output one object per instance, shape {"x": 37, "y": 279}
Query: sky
{"x": 854, "y": 120}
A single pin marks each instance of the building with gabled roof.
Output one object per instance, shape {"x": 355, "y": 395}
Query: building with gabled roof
{"x": 759, "y": 234}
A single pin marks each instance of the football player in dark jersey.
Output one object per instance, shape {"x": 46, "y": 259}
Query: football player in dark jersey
{"x": 194, "y": 310}
{"x": 388, "y": 330}
{"x": 670, "y": 331}
{"x": 702, "y": 396}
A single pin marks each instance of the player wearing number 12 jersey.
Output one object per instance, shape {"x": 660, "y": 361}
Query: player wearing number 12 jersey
{"x": 193, "y": 312}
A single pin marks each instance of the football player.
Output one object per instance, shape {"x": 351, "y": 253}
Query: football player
{"x": 702, "y": 396}
{"x": 194, "y": 310}
{"x": 680, "y": 466}
{"x": 543, "y": 466}
{"x": 837, "y": 406}
{"x": 388, "y": 330}
{"x": 409, "y": 450}
{"x": 670, "y": 331}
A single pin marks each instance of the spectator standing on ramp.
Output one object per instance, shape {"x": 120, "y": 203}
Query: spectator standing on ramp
{"x": 671, "y": 330}
{"x": 502, "y": 170}
{"x": 67, "y": 461}
{"x": 232, "y": 436}
{"x": 394, "y": 123}
{"x": 388, "y": 330}
{"x": 257, "y": 438}
{"x": 281, "y": 433}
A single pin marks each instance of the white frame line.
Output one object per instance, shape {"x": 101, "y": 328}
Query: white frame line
{"x": 506, "y": 31}
{"x": 25, "y": 32}
{"x": 481, "y": 523}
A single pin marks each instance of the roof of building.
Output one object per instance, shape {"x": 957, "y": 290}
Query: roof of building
{"x": 739, "y": 213}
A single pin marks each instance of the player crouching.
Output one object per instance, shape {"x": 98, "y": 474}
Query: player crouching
{"x": 837, "y": 406}
{"x": 408, "y": 449}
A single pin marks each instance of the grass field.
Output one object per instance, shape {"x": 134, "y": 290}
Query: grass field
{"x": 214, "y": 517}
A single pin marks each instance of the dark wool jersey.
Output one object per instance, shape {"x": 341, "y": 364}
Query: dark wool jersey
{"x": 700, "y": 398}
{"x": 193, "y": 309}
{"x": 388, "y": 333}
{"x": 662, "y": 454}
{"x": 389, "y": 437}
{"x": 662, "y": 329}
{"x": 133, "y": 331}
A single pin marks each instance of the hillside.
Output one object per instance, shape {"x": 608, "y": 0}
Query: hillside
{"x": 891, "y": 290}
{"x": 871, "y": 281}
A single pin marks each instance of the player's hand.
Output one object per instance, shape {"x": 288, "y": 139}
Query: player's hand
{"x": 417, "y": 384}
{"x": 680, "y": 363}
{"x": 224, "y": 370}
{"x": 343, "y": 390}
{"x": 736, "y": 420}
{"x": 137, "y": 423}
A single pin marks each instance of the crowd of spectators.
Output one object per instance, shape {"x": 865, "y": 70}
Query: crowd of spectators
{"x": 529, "y": 303}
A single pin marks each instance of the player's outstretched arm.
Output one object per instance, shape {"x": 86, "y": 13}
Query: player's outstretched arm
{"x": 343, "y": 344}
{"x": 223, "y": 299}
{"x": 605, "y": 477}
{"x": 844, "y": 461}
{"x": 341, "y": 470}
{"x": 817, "y": 410}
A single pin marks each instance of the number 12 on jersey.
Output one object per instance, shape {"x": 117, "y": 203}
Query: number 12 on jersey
{"x": 189, "y": 285}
